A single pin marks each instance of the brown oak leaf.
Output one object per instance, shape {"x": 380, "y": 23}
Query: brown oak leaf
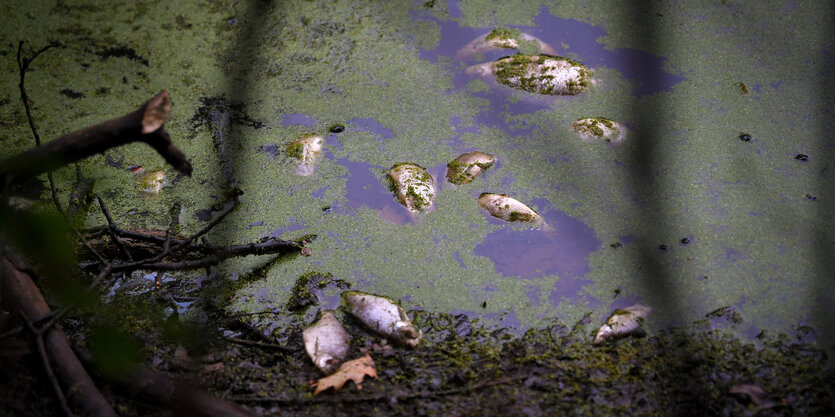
{"x": 354, "y": 370}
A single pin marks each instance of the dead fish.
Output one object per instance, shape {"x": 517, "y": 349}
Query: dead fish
{"x": 508, "y": 208}
{"x": 152, "y": 182}
{"x": 468, "y": 166}
{"x": 541, "y": 74}
{"x": 382, "y": 315}
{"x": 414, "y": 187}
{"x": 326, "y": 342}
{"x": 622, "y": 323}
{"x": 501, "y": 38}
{"x": 592, "y": 128}
{"x": 306, "y": 150}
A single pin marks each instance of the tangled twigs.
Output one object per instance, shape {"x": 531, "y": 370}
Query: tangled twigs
{"x": 21, "y": 295}
{"x": 111, "y": 227}
{"x": 38, "y": 333}
{"x": 23, "y": 66}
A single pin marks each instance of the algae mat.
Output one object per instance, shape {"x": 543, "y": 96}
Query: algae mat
{"x": 683, "y": 215}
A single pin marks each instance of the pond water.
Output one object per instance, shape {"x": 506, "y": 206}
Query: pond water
{"x": 757, "y": 218}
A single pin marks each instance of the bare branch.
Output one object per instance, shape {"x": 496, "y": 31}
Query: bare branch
{"x": 96, "y": 139}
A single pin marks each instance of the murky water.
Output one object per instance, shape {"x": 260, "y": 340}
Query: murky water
{"x": 563, "y": 248}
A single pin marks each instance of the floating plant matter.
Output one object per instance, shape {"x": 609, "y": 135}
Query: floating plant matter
{"x": 414, "y": 187}
{"x": 326, "y": 342}
{"x": 542, "y": 74}
{"x": 307, "y": 150}
{"x": 622, "y": 323}
{"x": 468, "y": 166}
{"x": 382, "y": 315}
{"x": 502, "y": 38}
{"x": 599, "y": 128}
{"x": 152, "y": 182}
{"x": 508, "y": 208}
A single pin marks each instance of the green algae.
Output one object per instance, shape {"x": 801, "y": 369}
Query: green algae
{"x": 533, "y": 73}
{"x": 334, "y": 62}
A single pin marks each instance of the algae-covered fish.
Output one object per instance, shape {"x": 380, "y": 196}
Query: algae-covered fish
{"x": 414, "y": 187}
{"x": 326, "y": 342}
{"x": 541, "y": 74}
{"x": 622, "y": 323}
{"x": 468, "y": 166}
{"x": 306, "y": 150}
{"x": 508, "y": 208}
{"x": 502, "y": 38}
{"x": 152, "y": 182}
{"x": 382, "y": 315}
{"x": 592, "y": 128}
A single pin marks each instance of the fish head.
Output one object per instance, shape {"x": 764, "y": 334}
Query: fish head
{"x": 327, "y": 363}
{"x": 604, "y": 333}
{"x": 407, "y": 334}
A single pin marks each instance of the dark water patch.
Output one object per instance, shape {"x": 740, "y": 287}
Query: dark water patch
{"x": 271, "y": 149}
{"x": 457, "y": 257}
{"x": 71, "y": 94}
{"x": 297, "y": 119}
{"x": 293, "y": 226}
{"x": 371, "y": 125}
{"x": 535, "y": 253}
{"x": 380, "y": 132}
{"x": 320, "y": 193}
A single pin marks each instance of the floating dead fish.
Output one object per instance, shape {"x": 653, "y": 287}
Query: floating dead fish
{"x": 468, "y": 166}
{"x": 542, "y": 74}
{"x": 383, "y": 316}
{"x": 326, "y": 342}
{"x": 622, "y": 323}
{"x": 307, "y": 150}
{"x": 414, "y": 187}
{"x": 599, "y": 128}
{"x": 501, "y": 38}
{"x": 152, "y": 182}
{"x": 508, "y": 208}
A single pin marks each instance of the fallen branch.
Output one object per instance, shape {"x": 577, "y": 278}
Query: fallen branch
{"x": 148, "y": 385}
{"x": 21, "y": 295}
{"x": 145, "y": 124}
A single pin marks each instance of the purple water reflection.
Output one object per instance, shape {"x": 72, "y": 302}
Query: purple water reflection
{"x": 528, "y": 254}
{"x": 642, "y": 68}
{"x": 297, "y": 119}
{"x": 276, "y": 233}
{"x": 534, "y": 253}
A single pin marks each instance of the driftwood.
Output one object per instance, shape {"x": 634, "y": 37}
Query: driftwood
{"x": 145, "y": 124}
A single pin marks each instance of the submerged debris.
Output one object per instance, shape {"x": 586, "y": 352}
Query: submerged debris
{"x": 501, "y": 38}
{"x": 326, "y": 342}
{"x": 542, "y": 74}
{"x": 382, "y": 315}
{"x": 622, "y": 323}
{"x": 414, "y": 187}
{"x": 306, "y": 149}
{"x": 468, "y": 166}
{"x": 309, "y": 289}
{"x": 508, "y": 208}
{"x": 592, "y": 128}
{"x": 152, "y": 182}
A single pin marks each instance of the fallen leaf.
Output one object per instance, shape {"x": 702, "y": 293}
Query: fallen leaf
{"x": 354, "y": 370}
